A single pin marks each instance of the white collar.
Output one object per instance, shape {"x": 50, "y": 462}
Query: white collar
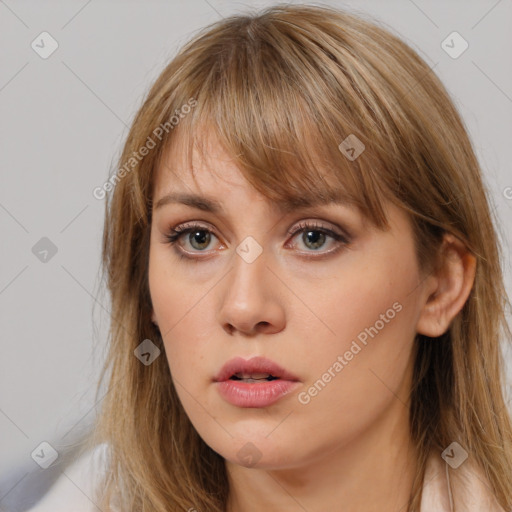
{"x": 466, "y": 487}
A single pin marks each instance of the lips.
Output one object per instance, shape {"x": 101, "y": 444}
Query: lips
{"x": 257, "y": 369}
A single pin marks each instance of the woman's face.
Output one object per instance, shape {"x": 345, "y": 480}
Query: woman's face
{"x": 339, "y": 315}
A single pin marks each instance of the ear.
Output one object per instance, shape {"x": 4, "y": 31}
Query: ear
{"x": 153, "y": 317}
{"x": 449, "y": 287}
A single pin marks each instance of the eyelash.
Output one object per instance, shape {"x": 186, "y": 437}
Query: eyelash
{"x": 176, "y": 233}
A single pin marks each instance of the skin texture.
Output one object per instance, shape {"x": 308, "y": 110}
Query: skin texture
{"x": 348, "y": 448}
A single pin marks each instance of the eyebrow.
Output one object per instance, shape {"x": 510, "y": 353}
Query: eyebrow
{"x": 211, "y": 205}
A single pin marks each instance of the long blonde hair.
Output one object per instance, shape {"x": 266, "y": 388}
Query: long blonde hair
{"x": 282, "y": 89}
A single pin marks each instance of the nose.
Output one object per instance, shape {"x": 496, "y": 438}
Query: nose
{"x": 251, "y": 298}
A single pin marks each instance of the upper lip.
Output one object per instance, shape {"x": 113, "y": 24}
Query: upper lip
{"x": 253, "y": 365}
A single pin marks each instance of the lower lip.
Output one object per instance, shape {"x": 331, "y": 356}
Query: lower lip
{"x": 255, "y": 394}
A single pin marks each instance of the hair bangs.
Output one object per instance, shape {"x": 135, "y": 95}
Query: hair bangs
{"x": 287, "y": 145}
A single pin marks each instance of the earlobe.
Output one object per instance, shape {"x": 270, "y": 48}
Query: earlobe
{"x": 453, "y": 282}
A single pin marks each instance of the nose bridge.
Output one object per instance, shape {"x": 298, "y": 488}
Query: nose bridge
{"x": 249, "y": 300}
{"x": 246, "y": 283}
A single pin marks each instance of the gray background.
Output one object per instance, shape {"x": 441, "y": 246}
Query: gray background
{"x": 64, "y": 119}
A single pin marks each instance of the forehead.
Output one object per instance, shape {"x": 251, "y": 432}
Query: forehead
{"x": 197, "y": 163}
{"x": 205, "y": 165}
{"x": 207, "y": 177}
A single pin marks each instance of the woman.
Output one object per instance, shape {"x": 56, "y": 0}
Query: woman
{"x": 307, "y": 298}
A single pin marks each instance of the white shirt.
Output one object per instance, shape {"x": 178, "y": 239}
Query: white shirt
{"x": 466, "y": 487}
{"x": 441, "y": 487}
{"x": 73, "y": 490}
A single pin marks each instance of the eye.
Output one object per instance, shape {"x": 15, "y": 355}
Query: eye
{"x": 199, "y": 236}
{"x": 314, "y": 237}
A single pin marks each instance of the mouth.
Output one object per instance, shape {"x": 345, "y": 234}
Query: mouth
{"x": 254, "y": 383}
{"x": 255, "y": 370}
{"x": 258, "y": 377}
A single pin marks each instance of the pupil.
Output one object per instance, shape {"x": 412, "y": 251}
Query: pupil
{"x": 196, "y": 237}
{"x": 319, "y": 234}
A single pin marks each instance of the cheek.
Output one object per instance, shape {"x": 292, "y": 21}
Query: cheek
{"x": 170, "y": 294}
{"x": 180, "y": 307}
{"x": 353, "y": 299}
{"x": 364, "y": 336}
